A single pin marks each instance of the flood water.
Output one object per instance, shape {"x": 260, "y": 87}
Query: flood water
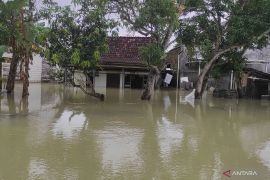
{"x": 59, "y": 133}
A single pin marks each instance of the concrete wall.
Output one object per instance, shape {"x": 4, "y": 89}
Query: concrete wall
{"x": 35, "y": 69}
{"x": 122, "y": 80}
{"x": 34, "y": 72}
{"x": 79, "y": 78}
{"x": 5, "y": 71}
{"x": 45, "y": 70}
{"x": 100, "y": 81}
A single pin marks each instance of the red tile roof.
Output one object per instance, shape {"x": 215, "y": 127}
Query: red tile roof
{"x": 124, "y": 50}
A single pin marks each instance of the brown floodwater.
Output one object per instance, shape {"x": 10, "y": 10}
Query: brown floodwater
{"x": 60, "y": 133}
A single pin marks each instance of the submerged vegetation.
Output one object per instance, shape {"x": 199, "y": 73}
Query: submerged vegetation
{"x": 219, "y": 30}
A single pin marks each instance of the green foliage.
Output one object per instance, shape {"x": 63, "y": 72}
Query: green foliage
{"x": 77, "y": 37}
{"x": 249, "y": 21}
{"x": 2, "y": 50}
{"x": 235, "y": 61}
{"x": 217, "y": 25}
{"x": 152, "y": 54}
{"x": 75, "y": 57}
{"x": 158, "y": 16}
{"x": 155, "y": 18}
{"x": 16, "y": 27}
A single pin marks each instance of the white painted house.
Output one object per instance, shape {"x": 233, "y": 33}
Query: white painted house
{"x": 35, "y": 71}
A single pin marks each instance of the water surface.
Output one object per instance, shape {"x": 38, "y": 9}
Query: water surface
{"x": 60, "y": 133}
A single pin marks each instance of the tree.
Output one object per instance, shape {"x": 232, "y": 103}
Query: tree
{"x": 157, "y": 19}
{"x": 2, "y": 51}
{"x": 78, "y": 38}
{"x": 222, "y": 30}
{"x": 17, "y": 30}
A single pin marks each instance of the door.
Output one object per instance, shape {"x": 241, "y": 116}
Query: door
{"x": 113, "y": 80}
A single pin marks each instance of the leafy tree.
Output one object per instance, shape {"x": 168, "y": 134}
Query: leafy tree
{"x": 222, "y": 30}
{"x": 157, "y": 19}
{"x": 17, "y": 32}
{"x": 78, "y": 37}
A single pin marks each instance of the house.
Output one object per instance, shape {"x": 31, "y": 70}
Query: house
{"x": 188, "y": 70}
{"x": 256, "y": 74}
{"x": 255, "y": 78}
{"x": 34, "y": 72}
{"x": 121, "y": 66}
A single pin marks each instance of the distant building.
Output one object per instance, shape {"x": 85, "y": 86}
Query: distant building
{"x": 34, "y": 72}
{"x": 256, "y": 74}
{"x": 189, "y": 70}
{"x": 259, "y": 59}
{"x": 38, "y": 69}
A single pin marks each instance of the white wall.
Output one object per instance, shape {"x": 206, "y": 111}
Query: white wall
{"x": 122, "y": 80}
{"x": 35, "y": 68}
{"x": 79, "y": 78}
{"x": 101, "y": 81}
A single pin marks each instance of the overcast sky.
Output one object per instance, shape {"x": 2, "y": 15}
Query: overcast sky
{"x": 122, "y": 31}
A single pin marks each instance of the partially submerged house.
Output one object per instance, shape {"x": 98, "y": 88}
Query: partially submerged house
{"x": 257, "y": 73}
{"x": 256, "y": 77}
{"x": 121, "y": 66}
{"x": 177, "y": 59}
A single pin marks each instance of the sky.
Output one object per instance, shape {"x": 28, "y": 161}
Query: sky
{"x": 122, "y": 31}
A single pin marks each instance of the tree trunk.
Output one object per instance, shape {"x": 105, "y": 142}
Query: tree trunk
{"x": 202, "y": 80}
{"x": 242, "y": 80}
{"x": 12, "y": 73}
{"x": 25, "y": 77}
{"x": 11, "y": 104}
{"x": 24, "y": 106}
{"x": 151, "y": 82}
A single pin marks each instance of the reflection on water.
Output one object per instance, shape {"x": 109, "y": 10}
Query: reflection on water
{"x": 119, "y": 147}
{"x": 169, "y": 136}
{"x": 70, "y": 124}
{"x": 60, "y": 133}
{"x": 37, "y": 169}
{"x": 264, "y": 154}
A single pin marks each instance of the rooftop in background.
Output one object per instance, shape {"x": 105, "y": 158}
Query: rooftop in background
{"x": 125, "y": 51}
{"x": 262, "y": 55}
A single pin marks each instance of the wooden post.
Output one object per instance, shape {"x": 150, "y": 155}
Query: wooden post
{"x": 231, "y": 82}
{"x": 178, "y": 71}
